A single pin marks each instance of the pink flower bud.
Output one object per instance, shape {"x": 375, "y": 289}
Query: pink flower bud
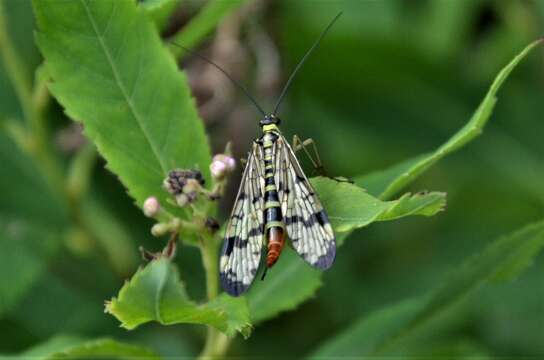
{"x": 218, "y": 169}
{"x": 151, "y": 206}
{"x": 222, "y": 165}
{"x": 230, "y": 163}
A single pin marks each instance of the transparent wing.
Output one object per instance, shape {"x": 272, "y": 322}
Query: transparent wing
{"x": 243, "y": 242}
{"x": 305, "y": 219}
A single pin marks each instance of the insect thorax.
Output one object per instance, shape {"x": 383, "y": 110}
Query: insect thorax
{"x": 270, "y": 134}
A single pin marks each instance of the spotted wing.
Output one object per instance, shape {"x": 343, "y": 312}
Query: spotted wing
{"x": 243, "y": 242}
{"x": 306, "y": 221}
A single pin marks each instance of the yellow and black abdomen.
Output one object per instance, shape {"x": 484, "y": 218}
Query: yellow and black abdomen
{"x": 274, "y": 228}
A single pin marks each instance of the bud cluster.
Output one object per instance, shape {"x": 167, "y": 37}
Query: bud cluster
{"x": 185, "y": 185}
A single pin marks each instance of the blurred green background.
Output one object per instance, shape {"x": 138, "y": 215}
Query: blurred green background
{"x": 392, "y": 80}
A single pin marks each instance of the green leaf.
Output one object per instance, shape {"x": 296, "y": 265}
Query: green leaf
{"x": 349, "y": 207}
{"x": 155, "y": 293}
{"x": 111, "y": 72}
{"x": 31, "y": 223}
{"x": 233, "y": 315}
{"x": 160, "y": 10}
{"x": 203, "y": 23}
{"x": 105, "y": 348}
{"x": 422, "y": 203}
{"x": 69, "y": 347}
{"x": 388, "y": 182}
{"x": 53, "y": 345}
{"x": 383, "y": 331}
{"x": 291, "y": 282}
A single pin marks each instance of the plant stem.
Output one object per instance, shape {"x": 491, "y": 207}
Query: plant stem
{"x": 216, "y": 342}
{"x": 216, "y": 345}
{"x": 210, "y": 261}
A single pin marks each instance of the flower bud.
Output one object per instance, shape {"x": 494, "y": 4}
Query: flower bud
{"x": 160, "y": 229}
{"x": 191, "y": 186}
{"x": 218, "y": 169}
{"x": 182, "y": 200}
{"x": 151, "y": 206}
{"x": 222, "y": 165}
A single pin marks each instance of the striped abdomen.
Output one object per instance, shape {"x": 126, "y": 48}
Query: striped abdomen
{"x": 273, "y": 219}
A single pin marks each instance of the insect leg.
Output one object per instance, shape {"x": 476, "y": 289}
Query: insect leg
{"x": 303, "y": 145}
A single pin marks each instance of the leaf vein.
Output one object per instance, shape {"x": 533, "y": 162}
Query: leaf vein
{"x": 158, "y": 295}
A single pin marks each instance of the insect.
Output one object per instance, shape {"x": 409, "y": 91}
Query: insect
{"x": 275, "y": 201}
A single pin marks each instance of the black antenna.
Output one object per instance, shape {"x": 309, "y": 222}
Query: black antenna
{"x": 240, "y": 86}
{"x": 301, "y": 62}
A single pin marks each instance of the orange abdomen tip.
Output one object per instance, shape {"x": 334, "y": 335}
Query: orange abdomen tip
{"x": 276, "y": 240}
